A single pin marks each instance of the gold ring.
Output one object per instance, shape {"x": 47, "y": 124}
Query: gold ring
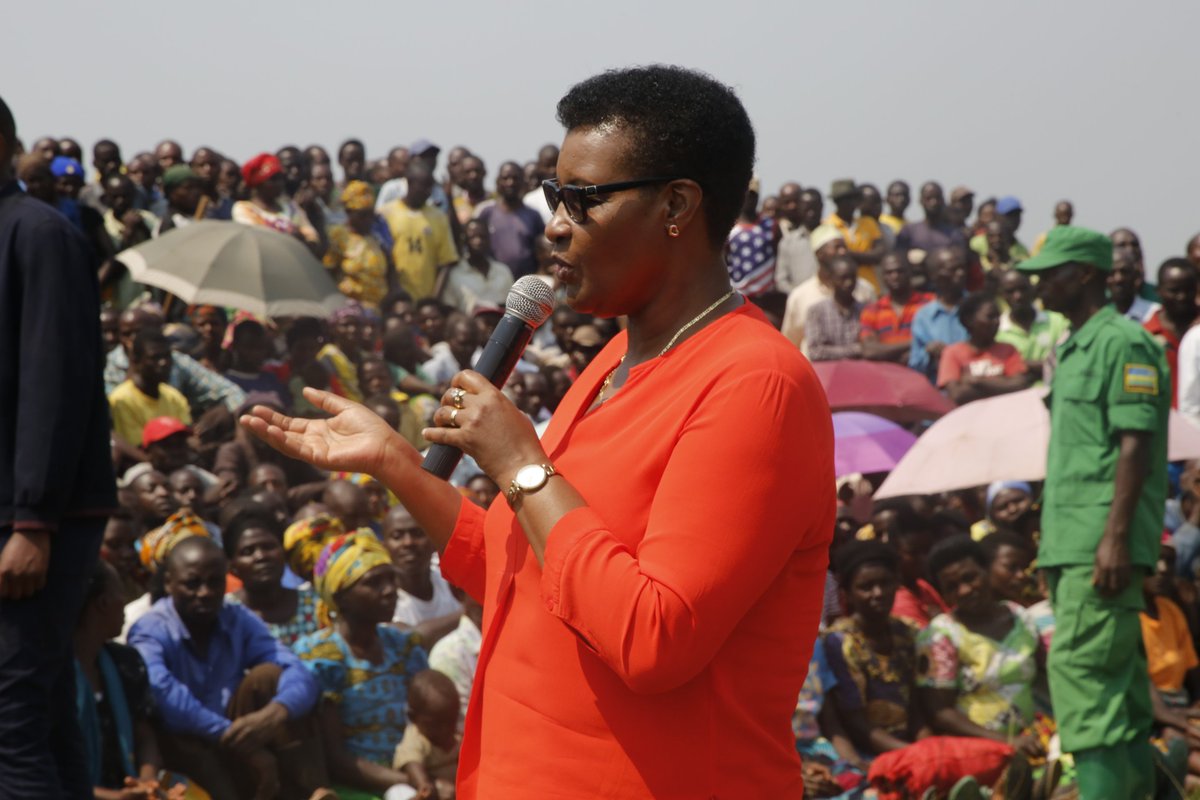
{"x": 456, "y": 397}
{"x": 454, "y": 418}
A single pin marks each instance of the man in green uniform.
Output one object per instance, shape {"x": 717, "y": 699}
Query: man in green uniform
{"x": 1102, "y": 517}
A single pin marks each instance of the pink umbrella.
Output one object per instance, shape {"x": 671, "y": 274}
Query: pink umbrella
{"x": 885, "y": 390}
{"x": 866, "y": 443}
{"x": 998, "y": 439}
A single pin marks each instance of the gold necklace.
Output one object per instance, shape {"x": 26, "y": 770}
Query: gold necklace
{"x": 609, "y": 378}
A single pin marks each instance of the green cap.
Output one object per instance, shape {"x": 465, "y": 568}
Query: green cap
{"x": 843, "y": 188}
{"x": 1066, "y": 243}
{"x": 176, "y": 175}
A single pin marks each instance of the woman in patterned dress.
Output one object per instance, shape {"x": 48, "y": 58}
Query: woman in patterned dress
{"x": 253, "y": 542}
{"x": 977, "y": 665}
{"x": 872, "y": 654}
{"x": 362, "y": 664}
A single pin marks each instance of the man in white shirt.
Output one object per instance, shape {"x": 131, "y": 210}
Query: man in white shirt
{"x": 424, "y": 598}
{"x": 479, "y": 279}
{"x": 456, "y": 655}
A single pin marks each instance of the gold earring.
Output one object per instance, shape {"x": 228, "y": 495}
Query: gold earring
{"x": 672, "y": 230}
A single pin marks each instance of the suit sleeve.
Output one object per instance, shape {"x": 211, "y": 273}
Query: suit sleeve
{"x": 59, "y": 316}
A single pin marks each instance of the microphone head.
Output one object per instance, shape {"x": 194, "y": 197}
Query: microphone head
{"x": 531, "y": 300}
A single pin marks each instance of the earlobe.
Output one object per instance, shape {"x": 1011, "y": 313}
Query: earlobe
{"x": 682, "y": 205}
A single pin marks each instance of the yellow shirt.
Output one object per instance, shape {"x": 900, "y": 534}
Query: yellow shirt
{"x": 423, "y": 243}
{"x": 132, "y": 409}
{"x": 892, "y": 221}
{"x": 859, "y": 238}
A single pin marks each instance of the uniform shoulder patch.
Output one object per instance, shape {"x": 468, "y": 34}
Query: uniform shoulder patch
{"x": 1141, "y": 379}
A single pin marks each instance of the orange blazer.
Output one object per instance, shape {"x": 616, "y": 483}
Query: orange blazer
{"x": 660, "y": 652}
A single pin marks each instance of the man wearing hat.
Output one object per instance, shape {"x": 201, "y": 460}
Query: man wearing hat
{"x": 1008, "y": 214}
{"x": 863, "y": 237}
{"x": 1102, "y": 515}
{"x": 962, "y": 203}
{"x": 182, "y": 186}
{"x": 397, "y": 188}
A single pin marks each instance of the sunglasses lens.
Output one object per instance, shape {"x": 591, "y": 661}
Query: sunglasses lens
{"x": 552, "y": 195}
{"x": 573, "y": 199}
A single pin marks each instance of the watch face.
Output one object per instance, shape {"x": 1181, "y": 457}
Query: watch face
{"x": 531, "y": 477}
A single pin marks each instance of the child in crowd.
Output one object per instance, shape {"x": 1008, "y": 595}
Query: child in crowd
{"x": 428, "y": 753}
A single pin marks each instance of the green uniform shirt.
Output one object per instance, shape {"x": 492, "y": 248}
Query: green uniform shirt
{"x": 1111, "y": 377}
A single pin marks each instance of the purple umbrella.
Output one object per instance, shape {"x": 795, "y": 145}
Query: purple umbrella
{"x": 866, "y": 443}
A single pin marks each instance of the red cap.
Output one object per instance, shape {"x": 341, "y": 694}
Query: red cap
{"x": 160, "y": 428}
{"x": 260, "y": 169}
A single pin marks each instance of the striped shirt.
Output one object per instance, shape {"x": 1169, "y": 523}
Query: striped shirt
{"x": 880, "y": 318}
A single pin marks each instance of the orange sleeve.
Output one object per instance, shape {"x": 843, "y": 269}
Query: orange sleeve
{"x": 463, "y": 562}
{"x": 756, "y": 455}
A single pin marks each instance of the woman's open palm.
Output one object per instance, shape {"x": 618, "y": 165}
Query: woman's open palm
{"x": 354, "y": 439}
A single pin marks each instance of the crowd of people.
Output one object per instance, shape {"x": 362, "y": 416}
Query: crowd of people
{"x": 260, "y": 628}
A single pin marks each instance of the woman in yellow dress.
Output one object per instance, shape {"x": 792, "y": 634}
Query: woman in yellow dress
{"x": 355, "y": 259}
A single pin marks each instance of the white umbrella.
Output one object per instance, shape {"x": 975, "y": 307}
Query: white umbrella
{"x": 267, "y": 273}
{"x": 998, "y": 439}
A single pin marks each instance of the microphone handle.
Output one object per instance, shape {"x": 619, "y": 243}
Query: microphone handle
{"x": 496, "y": 363}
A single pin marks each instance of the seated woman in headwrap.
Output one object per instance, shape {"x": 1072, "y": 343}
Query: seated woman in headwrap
{"x": 270, "y": 207}
{"x": 1009, "y": 507}
{"x": 305, "y": 538}
{"x": 356, "y": 262}
{"x": 253, "y": 543}
{"x": 362, "y": 665}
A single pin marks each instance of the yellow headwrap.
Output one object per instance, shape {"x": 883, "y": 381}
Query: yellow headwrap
{"x": 304, "y": 540}
{"x": 358, "y": 195}
{"x": 157, "y": 544}
{"x": 345, "y": 560}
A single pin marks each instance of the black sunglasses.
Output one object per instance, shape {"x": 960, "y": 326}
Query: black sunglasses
{"x": 575, "y": 197}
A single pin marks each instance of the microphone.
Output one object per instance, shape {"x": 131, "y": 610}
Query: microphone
{"x": 530, "y": 303}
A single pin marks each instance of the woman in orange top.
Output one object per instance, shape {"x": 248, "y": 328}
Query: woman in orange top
{"x": 650, "y": 602}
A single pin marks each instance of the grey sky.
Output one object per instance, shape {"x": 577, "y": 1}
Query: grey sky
{"x": 1044, "y": 100}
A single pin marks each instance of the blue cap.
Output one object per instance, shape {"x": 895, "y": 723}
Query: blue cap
{"x": 1007, "y": 205}
{"x": 421, "y": 146}
{"x": 63, "y": 165}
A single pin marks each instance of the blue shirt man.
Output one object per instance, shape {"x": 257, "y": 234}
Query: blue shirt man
{"x": 233, "y": 700}
{"x": 936, "y": 324}
{"x": 193, "y": 689}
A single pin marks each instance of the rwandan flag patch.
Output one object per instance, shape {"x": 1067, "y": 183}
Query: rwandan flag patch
{"x": 1141, "y": 379}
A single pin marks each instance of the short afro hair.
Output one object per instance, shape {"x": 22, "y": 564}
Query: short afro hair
{"x": 855, "y": 554}
{"x": 683, "y": 123}
{"x": 249, "y": 516}
{"x": 971, "y": 304}
{"x": 953, "y": 550}
{"x": 995, "y": 540}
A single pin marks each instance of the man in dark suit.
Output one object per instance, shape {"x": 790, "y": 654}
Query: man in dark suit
{"x": 56, "y": 482}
